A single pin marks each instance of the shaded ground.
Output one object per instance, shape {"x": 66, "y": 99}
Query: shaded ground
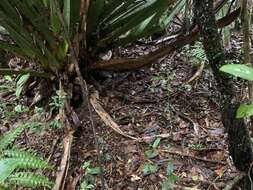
{"x": 152, "y": 101}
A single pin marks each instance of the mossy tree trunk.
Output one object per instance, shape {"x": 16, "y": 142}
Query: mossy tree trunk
{"x": 205, "y": 18}
{"x": 239, "y": 142}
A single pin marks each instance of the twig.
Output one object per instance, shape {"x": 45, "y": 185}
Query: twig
{"x": 52, "y": 149}
{"x": 63, "y": 171}
{"x": 106, "y": 117}
{"x": 198, "y": 72}
{"x": 194, "y": 157}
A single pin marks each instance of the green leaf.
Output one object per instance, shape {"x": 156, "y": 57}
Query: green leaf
{"x": 10, "y": 136}
{"x": 244, "y": 111}
{"x": 239, "y": 70}
{"x": 156, "y": 143}
{"x": 170, "y": 168}
{"x": 20, "y": 84}
{"x": 151, "y": 153}
{"x": 93, "y": 171}
{"x": 20, "y": 109}
{"x": 150, "y": 169}
{"x": 8, "y": 78}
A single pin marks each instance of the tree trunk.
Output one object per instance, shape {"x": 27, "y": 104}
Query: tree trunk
{"x": 239, "y": 141}
{"x": 205, "y": 19}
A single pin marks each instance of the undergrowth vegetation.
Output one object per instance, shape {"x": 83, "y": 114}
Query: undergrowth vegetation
{"x": 60, "y": 44}
{"x": 21, "y": 167}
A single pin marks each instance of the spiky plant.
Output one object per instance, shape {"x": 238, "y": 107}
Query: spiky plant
{"x": 18, "y": 167}
{"x": 43, "y": 31}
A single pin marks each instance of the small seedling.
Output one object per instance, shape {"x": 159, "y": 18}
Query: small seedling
{"x": 88, "y": 180}
{"x": 152, "y": 153}
{"x": 57, "y": 101}
{"x": 21, "y": 109}
{"x": 170, "y": 179}
{"x": 150, "y": 168}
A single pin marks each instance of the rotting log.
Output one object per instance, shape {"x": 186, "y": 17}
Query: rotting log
{"x": 126, "y": 64}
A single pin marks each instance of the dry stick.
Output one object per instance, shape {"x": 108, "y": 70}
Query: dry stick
{"x": 61, "y": 176}
{"x": 198, "y": 72}
{"x": 67, "y": 142}
{"x": 106, "y": 117}
{"x": 84, "y": 88}
{"x": 194, "y": 157}
{"x": 250, "y": 179}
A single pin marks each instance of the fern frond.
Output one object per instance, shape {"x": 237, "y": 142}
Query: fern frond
{"x": 32, "y": 163}
{"x": 28, "y": 179}
{"x": 17, "y": 153}
{"x": 4, "y": 186}
{"x": 26, "y": 159}
{"x": 9, "y": 137}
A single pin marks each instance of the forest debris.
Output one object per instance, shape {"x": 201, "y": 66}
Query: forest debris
{"x": 106, "y": 117}
{"x": 198, "y": 72}
{"x": 63, "y": 170}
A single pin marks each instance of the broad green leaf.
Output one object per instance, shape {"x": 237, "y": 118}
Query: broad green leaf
{"x": 93, "y": 171}
{"x": 95, "y": 10}
{"x": 239, "y": 70}
{"x": 244, "y": 111}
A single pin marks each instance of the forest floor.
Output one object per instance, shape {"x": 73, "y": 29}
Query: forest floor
{"x": 188, "y": 148}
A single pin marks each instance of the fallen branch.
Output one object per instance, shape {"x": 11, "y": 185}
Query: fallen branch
{"x": 63, "y": 170}
{"x": 120, "y": 64}
{"x": 194, "y": 157}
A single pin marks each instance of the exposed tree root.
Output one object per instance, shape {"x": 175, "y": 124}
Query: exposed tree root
{"x": 106, "y": 117}
{"x": 120, "y": 64}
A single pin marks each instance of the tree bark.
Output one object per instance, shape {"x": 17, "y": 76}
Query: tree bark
{"x": 239, "y": 141}
{"x": 205, "y": 19}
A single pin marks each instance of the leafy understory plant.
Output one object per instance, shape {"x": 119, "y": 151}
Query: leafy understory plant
{"x": 170, "y": 179}
{"x": 88, "y": 181}
{"x": 244, "y": 72}
{"x": 150, "y": 168}
{"x": 152, "y": 152}
{"x": 196, "y": 54}
{"x": 18, "y": 167}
